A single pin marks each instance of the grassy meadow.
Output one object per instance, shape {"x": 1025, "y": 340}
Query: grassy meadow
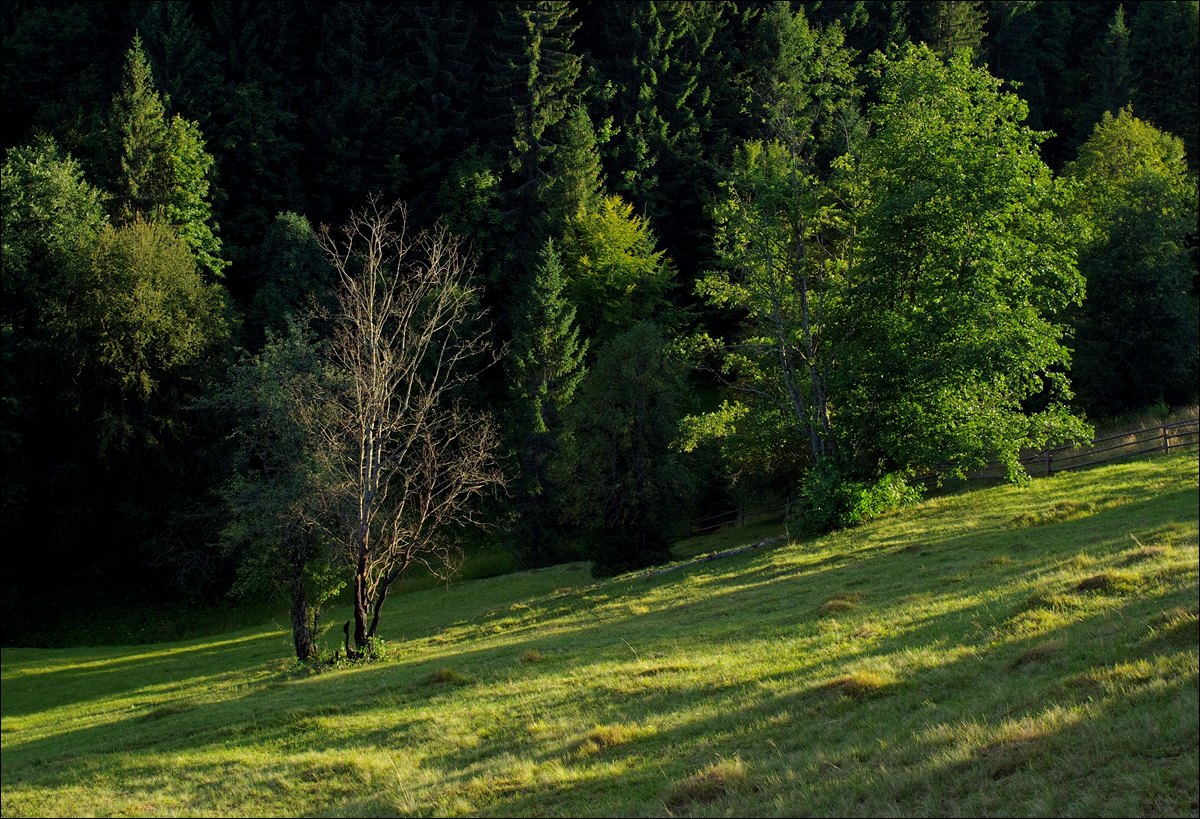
{"x": 1001, "y": 651}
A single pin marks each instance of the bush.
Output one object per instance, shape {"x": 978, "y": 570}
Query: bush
{"x": 827, "y": 500}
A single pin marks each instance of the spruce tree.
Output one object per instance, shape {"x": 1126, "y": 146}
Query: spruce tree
{"x": 545, "y": 367}
{"x": 163, "y": 168}
{"x": 1165, "y": 55}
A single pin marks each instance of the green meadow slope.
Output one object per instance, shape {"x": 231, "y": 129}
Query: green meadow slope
{"x": 1016, "y": 651}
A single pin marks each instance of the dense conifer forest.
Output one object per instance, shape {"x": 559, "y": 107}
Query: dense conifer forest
{"x": 299, "y": 297}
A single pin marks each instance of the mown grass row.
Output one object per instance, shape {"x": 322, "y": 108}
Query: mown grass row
{"x": 1012, "y": 650}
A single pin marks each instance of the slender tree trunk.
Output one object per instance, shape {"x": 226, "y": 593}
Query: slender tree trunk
{"x": 304, "y": 622}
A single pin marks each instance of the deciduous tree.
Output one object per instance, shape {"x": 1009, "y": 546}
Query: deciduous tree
{"x": 409, "y": 457}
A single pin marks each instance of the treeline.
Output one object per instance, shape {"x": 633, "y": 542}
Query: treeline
{"x": 727, "y": 249}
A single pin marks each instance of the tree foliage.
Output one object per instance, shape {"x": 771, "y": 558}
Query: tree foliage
{"x": 163, "y": 166}
{"x": 628, "y": 485}
{"x": 279, "y": 525}
{"x": 1137, "y": 330}
{"x": 545, "y": 366}
{"x": 967, "y": 270}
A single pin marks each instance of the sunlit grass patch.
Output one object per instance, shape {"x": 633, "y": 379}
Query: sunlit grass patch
{"x": 1111, "y": 581}
{"x": 1060, "y": 512}
{"x": 603, "y": 737}
{"x": 1178, "y": 626}
{"x": 1007, "y": 691}
{"x": 840, "y": 603}
{"x": 859, "y": 685}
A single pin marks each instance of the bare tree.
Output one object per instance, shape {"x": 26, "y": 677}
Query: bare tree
{"x": 410, "y": 456}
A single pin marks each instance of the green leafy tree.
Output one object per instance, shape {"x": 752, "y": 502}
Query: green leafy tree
{"x": 111, "y": 335}
{"x": 1136, "y": 333}
{"x": 615, "y": 273}
{"x": 967, "y": 270}
{"x": 627, "y": 482}
{"x": 278, "y": 520}
{"x": 153, "y": 320}
{"x": 784, "y": 265}
{"x": 783, "y": 252}
{"x": 546, "y": 364}
{"x": 52, "y": 219}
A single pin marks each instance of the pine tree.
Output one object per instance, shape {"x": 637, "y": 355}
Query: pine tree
{"x": 1165, "y": 53}
{"x": 547, "y": 356}
{"x": 1108, "y": 76}
{"x": 533, "y": 69}
{"x": 948, "y": 26}
{"x": 439, "y": 82}
{"x": 164, "y": 170}
{"x": 545, "y": 367}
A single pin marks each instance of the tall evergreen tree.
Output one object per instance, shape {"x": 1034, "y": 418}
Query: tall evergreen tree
{"x": 438, "y": 94}
{"x": 163, "y": 171}
{"x": 1108, "y": 76}
{"x": 256, "y": 132}
{"x": 534, "y": 70}
{"x": 626, "y": 480}
{"x": 1164, "y": 45}
{"x": 545, "y": 367}
{"x": 948, "y": 26}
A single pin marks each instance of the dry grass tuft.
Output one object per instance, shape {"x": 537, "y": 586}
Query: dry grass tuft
{"x": 839, "y": 603}
{"x": 447, "y": 676}
{"x": 1145, "y": 553}
{"x": 603, "y": 737}
{"x": 1007, "y": 756}
{"x": 532, "y": 656}
{"x": 708, "y": 785}
{"x": 1109, "y": 582}
{"x": 860, "y": 685}
{"x": 1038, "y": 653}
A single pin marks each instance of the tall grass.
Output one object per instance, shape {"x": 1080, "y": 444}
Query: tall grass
{"x": 1004, "y": 651}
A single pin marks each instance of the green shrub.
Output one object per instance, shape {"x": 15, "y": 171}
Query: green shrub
{"x": 828, "y": 500}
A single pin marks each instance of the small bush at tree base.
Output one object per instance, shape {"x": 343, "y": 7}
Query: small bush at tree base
{"x": 828, "y": 500}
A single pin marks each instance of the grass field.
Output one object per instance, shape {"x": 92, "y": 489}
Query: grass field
{"x": 1005, "y": 651}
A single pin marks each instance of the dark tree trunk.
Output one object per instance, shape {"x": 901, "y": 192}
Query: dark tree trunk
{"x": 304, "y": 623}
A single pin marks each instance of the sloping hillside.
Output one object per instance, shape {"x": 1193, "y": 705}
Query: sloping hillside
{"x": 1005, "y": 651}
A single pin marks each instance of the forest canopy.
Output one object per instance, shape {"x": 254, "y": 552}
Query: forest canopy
{"x": 676, "y": 255}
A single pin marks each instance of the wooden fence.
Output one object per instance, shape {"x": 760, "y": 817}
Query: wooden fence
{"x": 1164, "y": 439}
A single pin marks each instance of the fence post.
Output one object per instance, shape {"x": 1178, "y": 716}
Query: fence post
{"x": 1049, "y": 463}
{"x": 1166, "y": 440}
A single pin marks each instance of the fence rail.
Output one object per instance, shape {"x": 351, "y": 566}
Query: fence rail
{"x": 1164, "y": 439}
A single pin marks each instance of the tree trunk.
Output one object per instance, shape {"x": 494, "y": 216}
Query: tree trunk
{"x": 304, "y": 623}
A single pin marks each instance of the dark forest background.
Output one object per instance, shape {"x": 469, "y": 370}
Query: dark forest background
{"x": 168, "y": 166}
